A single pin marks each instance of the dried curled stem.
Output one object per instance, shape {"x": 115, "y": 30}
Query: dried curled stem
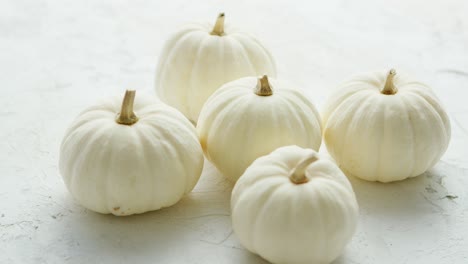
{"x": 126, "y": 115}
{"x": 389, "y": 87}
{"x": 298, "y": 174}
{"x": 218, "y": 28}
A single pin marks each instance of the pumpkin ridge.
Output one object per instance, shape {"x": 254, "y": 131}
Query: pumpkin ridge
{"x": 83, "y": 155}
{"x": 248, "y": 57}
{"x": 296, "y": 116}
{"x": 84, "y": 147}
{"x": 374, "y": 172}
{"x": 175, "y": 43}
{"x": 79, "y": 123}
{"x": 330, "y": 109}
{"x": 217, "y": 122}
{"x": 163, "y": 135}
{"x": 355, "y": 107}
{"x": 413, "y": 134}
{"x": 106, "y": 160}
{"x": 270, "y": 193}
{"x": 189, "y": 130}
{"x": 190, "y": 90}
{"x": 244, "y": 110}
{"x": 434, "y": 114}
{"x": 170, "y": 56}
{"x": 357, "y": 119}
{"x": 436, "y": 105}
{"x": 145, "y": 148}
{"x": 318, "y": 206}
{"x": 304, "y": 104}
{"x": 170, "y": 120}
{"x": 265, "y": 52}
{"x": 328, "y": 192}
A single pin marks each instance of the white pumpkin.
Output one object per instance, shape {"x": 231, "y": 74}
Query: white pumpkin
{"x": 199, "y": 58}
{"x": 385, "y": 127}
{"x": 131, "y": 164}
{"x": 293, "y": 206}
{"x": 250, "y": 117}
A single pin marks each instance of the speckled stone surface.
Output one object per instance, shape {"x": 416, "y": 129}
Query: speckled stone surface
{"x": 57, "y": 57}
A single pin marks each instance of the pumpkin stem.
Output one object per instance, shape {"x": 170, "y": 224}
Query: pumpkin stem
{"x": 263, "y": 87}
{"x": 298, "y": 175}
{"x": 389, "y": 87}
{"x": 126, "y": 115}
{"x": 218, "y": 28}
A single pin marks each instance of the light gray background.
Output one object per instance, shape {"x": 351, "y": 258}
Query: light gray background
{"x": 57, "y": 57}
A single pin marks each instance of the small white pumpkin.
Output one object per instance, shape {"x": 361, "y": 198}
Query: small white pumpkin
{"x": 385, "y": 127}
{"x": 250, "y": 117}
{"x": 131, "y": 164}
{"x": 199, "y": 58}
{"x": 292, "y": 206}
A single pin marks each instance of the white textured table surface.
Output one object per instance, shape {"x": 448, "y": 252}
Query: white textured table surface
{"x": 57, "y": 57}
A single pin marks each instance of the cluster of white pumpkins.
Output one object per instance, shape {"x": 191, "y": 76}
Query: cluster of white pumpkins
{"x": 289, "y": 204}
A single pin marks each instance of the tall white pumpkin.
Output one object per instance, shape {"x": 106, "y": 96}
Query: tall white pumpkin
{"x": 385, "y": 127}
{"x": 137, "y": 162}
{"x": 293, "y": 206}
{"x": 251, "y": 117}
{"x": 199, "y": 58}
